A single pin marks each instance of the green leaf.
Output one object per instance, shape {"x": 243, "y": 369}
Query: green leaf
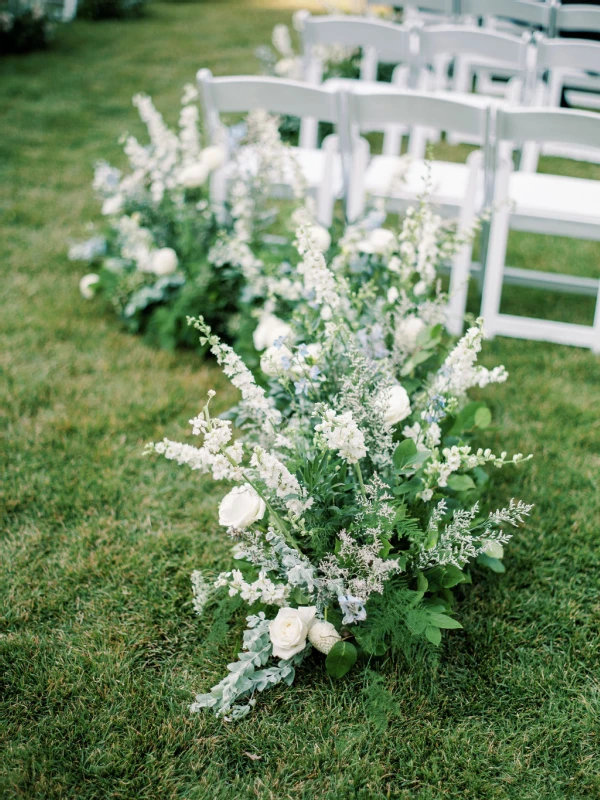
{"x": 465, "y": 419}
{"x": 405, "y": 451}
{"x": 416, "y": 621}
{"x": 433, "y": 634}
{"x": 452, "y": 577}
{"x": 460, "y": 483}
{"x": 444, "y": 621}
{"x": 371, "y": 648}
{"x": 301, "y": 597}
{"x": 340, "y": 659}
{"x": 422, "y": 582}
{"x": 483, "y": 417}
{"x": 492, "y": 563}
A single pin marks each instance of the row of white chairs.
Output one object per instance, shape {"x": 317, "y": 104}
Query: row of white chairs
{"x": 344, "y": 169}
{"x": 540, "y": 68}
{"x": 551, "y": 16}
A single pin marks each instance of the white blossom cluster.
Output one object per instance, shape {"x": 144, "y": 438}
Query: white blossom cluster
{"x": 340, "y": 432}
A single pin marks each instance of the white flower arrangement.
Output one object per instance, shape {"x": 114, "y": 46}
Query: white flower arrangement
{"x": 358, "y": 502}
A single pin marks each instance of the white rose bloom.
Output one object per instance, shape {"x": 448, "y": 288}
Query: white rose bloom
{"x": 322, "y": 237}
{"x": 494, "y": 549}
{"x": 194, "y": 175}
{"x": 289, "y": 629}
{"x": 269, "y": 329}
{"x": 398, "y": 407}
{"x": 213, "y": 157}
{"x": 393, "y": 294}
{"x": 112, "y": 205}
{"x": 379, "y": 242}
{"x": 241, "y": 507}
{"x": 86, "y": 285}
{"x": 322, "y": 636}
{"x": 276, "y": 361}
{"x": 407, "y": 332}
{"x": 164, "y": 261}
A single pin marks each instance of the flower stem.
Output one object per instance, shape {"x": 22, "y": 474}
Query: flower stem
{"x": 360, "y": 479}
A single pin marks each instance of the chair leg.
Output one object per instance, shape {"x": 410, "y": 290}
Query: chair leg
{"x": 355, "y": 202}
{"x": 461, "y": 264}
{"x": 325, "y": 195}
{"x": 596, "y": 334}
{"x": 496, "y": 252}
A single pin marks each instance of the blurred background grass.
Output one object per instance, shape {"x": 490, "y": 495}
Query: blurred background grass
{"x": 100, "y": 651}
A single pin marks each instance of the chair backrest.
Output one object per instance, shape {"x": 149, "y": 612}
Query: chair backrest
{"x": 577, "y": 18}
{"x": 244, "y": 93}
{"x": 527, "y": 12}
{"x": 380, "y": 41}
{"x": 375, "y": 111}
{"x": 391, "y": 41}
{"x": 471, "y": 41}
{"x": 548, "y": 125}
{"x": 567, "y": 54}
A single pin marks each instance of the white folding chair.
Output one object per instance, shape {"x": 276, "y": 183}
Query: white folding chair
{"x": 548, "y": 204}
{"x": 513, "y": 17}
{"x": 321, "y": 168}
{"x": 565, "y": 62}
{"x": 469, "y": 47}
{"x": 582, "y": 88}
{"x": 457, "y": 190}
{"x": 380, "y": 42}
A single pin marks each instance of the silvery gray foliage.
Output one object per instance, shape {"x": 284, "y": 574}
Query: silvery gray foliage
{"x": 245, "y": 676}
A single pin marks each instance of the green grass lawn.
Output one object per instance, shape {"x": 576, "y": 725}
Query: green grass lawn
{"x": 101, "y": 652}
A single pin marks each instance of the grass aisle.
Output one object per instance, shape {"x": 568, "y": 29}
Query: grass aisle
{"x": 100, "y": 650}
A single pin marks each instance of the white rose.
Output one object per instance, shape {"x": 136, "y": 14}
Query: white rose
{"x": 398, "y": 407}
{"x": 322, "y": 636}
{"x": 213, "y": 157}
{"x": 393, "y": 294}
{"x": 269, "y": 329}
{"x": 494, "y": 549}
{"x": 322, "y": 237}
{"x": 112, "y": 205}
{"x": 86, "y": 285}
{"x": 164, "y": 261}
{"x": 194, "y": 175}
{"x": 241, "y": 507}
{"x": 289, "y": 629}
{"x": 276, "y": 361}
{"x": 407, "y": 332}
{"x": 379, "y": 242}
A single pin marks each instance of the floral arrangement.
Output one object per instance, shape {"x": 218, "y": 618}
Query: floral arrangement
{"x": 23, "y": 27}
{"x": 358, "y": 498}
{"x": 166, "y": 250}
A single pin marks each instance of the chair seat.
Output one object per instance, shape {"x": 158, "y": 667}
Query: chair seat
{"x": 555, "y": 204}
{"x": 311, "y": 162}
{"x": 448, "y": 181}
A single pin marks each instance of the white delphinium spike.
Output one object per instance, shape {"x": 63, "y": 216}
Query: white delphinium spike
{"x": 318, "y": 279}
{"x": 277, "y": 476}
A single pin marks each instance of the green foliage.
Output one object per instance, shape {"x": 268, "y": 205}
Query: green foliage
{"x": 110, "y": 9}
{"x": 340, "y": 659}
{"x": 23, "y": 27}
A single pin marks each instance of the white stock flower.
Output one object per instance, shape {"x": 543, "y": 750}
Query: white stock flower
{"x": 213, "y": 157}
{"x": 269, "y": 329}
{"x": 321, "y": 237}
{"x": 341, "y": 433}
{"x": 323, "y": 635}
{"x": 379, "y": 241}
{"x": 398, "y": 406}
{"x": 164, "y": 261}
{"x": 112, "y": 206}
{"x": 407, "y": 332}
{"x": 86, "y": 285}
{"x": 194, "y": 175}
{"x": 289, "y": 630}
{"x": 241, "y": 507}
